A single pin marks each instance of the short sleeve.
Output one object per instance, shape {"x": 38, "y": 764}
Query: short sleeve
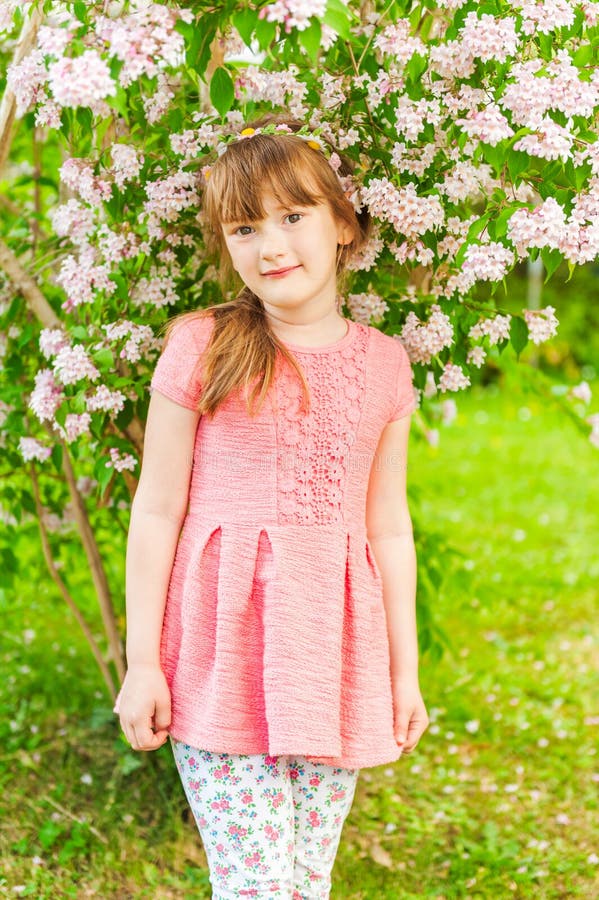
{"x": 177, "y": 374}
{"x": 404, "y": 391}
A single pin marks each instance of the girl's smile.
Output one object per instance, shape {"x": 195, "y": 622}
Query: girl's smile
{"x": 280, "y": 273}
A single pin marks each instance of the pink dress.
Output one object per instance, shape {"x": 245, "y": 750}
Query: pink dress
{"x": 274, "y": 637}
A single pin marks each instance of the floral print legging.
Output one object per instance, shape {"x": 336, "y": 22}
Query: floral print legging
{"x": 270, "y": 825}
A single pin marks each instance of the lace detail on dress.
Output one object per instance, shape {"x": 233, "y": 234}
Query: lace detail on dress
{"x": 314, "y": 449}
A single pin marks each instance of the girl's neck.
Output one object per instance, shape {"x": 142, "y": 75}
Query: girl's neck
{"x": 320, "y": 332}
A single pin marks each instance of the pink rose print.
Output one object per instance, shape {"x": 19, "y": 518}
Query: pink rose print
{"x": 314, "y": 819}
{"x": 338, "y": 795}
{"x": 247, "y": 797}
{"x": 271, "y": 833}
{"x": 252, "y": 860}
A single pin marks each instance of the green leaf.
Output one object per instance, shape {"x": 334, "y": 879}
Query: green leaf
{"x": 517, "y": 162}
{"x": 337, "y": 17}
{"x": 310, "y": 39}
{"x": 518, "y": 333}
{"x": 222, "y": 92}
{"x": 551, "y": 261}
{"x": 265, "y": 32}
{"x": 80, "y": 10}
{"x": 56, "y": 457}
{"x": 245, "y": 22}
{"x": 583, "y": 55}
{"x": 104, "y": 358}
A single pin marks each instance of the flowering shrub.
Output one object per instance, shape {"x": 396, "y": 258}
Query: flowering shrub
{"x": 472, "y": 128}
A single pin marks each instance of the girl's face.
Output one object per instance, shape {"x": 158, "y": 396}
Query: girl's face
{"x": 302, "y": 241}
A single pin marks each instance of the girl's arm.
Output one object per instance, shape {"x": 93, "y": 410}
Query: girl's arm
{"x": 390, "y": 534}
{"x": 157, "y": 514}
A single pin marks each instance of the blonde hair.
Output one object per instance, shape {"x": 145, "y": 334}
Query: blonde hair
{"x": 243, "y": 347}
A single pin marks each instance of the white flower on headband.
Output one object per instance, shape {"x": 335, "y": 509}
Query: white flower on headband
{"x": 312, "y": 140}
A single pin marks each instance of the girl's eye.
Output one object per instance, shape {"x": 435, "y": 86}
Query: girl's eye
{"x": 244, "y": 234}
{"x": 294, "y": 214}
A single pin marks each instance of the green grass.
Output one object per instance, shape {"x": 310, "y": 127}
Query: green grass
{"x": 499, "y": 799}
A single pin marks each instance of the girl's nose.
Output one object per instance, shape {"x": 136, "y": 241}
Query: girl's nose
{"x": 272, "y": 244}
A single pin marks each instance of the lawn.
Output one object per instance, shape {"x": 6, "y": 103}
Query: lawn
{"x": 499, "y": 799}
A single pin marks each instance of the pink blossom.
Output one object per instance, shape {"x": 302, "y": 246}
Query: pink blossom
{"x": 487, "y": 37}
{"x": 542, "y": 323}
{"x": 396, "y": 41}
{"x": 53, "y": 41}
{"x": 423, "y": 340}
{"x": 75, "y": 425}
{"x": 72, "y": 364}
{"x": 126, "y": 163}
{"x": 168, "y": 197}
{"x": 550, "y": 141}
{"x": 476, "y": 356}
{"x": 82, "y": 81}
{"x": 52, "y": 340}
{"x": 409, "y": 213}
{"x": 27, "y": 80}
{"x": 412, "y": 115}
{"x": 278, "y": 88}
{"x": 7, "y": 11}
{"x": 46, "y": 396}
{"x": 453, "y": 378}
{"x": 116, "y": 246}
{"x": 488, "y": 125}
{"x": 31, "y": 449}
{"x": 364, "y": 259}
{"x": 81, "y": 277}
{"x": 73, "y": 219}
{"x": 545, "y": 15}
{"x": 415, "y": 160}
{"x": 366, "y": 307}
{"x": 582, "y": 392}
{"x": 496, "y": 329}
{"x": 531, "y": 95}
{"x": 145, "y": 40}
{"x": 482, "y": 262}
{"x": 140, "y": 338}
{"x": 293, "y": 13}
{"x": 158, "y": 290}
{"x": 157, "y": 105}
{"x": 106, "y": 400}
{"x": 467, "y": 182}
{"x": 121, "y": 461}
{"x": 78, "y": 175}
{"x": 540, "y": 227}
{"x": 451, "y": 60}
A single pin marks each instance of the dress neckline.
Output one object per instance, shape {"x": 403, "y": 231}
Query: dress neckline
{"x": 326, "y": 348}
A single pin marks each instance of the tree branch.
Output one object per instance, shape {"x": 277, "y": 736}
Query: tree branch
{"x": 95, "y": 564}
{"x": 55, "y": 575}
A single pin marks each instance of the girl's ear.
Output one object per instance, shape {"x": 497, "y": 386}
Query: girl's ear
{"x": 345, "y": 234}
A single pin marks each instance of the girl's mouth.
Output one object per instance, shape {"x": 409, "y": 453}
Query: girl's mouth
{"x": 280, "y": 273}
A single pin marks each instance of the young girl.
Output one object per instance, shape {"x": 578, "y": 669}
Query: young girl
{"x": 271, "y": 571}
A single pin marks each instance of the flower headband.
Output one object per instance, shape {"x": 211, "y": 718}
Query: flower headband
{"x": 311, "y": 138}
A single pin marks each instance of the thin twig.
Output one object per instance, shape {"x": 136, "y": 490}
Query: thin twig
{"x": 55, "y": 575}
{"x": 69, "y": 815}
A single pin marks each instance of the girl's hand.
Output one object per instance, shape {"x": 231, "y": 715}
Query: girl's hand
{"x": 145, "y": 707}
{"x": 411, "y": 718}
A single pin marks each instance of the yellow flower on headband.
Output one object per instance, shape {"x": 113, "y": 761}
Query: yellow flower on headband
{"x": 247, "y": 131}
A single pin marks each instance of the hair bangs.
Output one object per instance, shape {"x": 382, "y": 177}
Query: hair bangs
{"x": 284, "y": 167}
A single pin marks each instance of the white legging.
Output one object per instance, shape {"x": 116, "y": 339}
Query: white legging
{"x": 270, "y": 825}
